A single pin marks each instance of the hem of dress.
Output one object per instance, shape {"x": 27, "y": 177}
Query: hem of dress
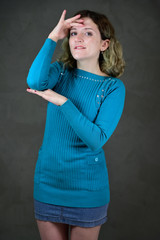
{"x": 71, "y": 222}
{"x": 73, "y": 198}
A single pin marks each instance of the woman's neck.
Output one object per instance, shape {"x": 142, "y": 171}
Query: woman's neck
{"x": 90, "y": 67}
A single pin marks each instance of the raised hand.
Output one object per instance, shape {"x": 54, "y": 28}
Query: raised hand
{"x": 62, "y": 28}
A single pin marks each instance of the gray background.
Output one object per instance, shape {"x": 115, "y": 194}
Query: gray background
{"x": 132, "y": 153}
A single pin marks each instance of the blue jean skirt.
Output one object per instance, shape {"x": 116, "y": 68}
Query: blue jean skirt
{"x": 77, "y": 216}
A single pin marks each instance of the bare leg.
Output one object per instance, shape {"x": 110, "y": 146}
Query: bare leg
{"x": 79, "y": 233}
{"x": 52, "y": 230}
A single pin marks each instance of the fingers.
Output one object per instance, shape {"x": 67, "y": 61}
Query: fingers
{"x": 74, "y": 18}
{"x": 79, "y": 20}
{"x": 76, "y": 24}
{"x": 40, "y": 93}
{"x": 31, "y": 90}
{"x": 62, "y": 18}
{"x": 74, "y": 21}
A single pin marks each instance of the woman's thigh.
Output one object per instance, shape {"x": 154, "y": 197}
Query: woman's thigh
{"x": 79, "y": 233}
{"x": 53, "y": 230}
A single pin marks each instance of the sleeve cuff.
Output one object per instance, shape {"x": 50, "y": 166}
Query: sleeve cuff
{"x": 50, "y": 43}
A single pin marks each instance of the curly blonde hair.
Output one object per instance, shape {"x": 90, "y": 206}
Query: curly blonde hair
{"x": 111, "y": 61}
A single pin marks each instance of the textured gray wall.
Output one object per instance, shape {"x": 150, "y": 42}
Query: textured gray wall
{"x": 132, "y": 153}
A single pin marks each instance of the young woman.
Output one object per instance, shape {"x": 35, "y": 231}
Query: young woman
{"x": 85, "y": 102}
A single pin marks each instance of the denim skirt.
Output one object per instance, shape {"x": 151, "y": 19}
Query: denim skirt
{"x": 77, "y": 216}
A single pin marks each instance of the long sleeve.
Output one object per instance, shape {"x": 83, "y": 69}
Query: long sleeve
{"x": 42, "y": 74}
{"x": 96, "y": 134}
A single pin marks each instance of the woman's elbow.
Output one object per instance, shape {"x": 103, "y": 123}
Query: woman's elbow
{"x": 31, "y": 84}
{"x": 95, "y": 146}
{"x": 35, "y": 84}
{"x": 98, "y": 144}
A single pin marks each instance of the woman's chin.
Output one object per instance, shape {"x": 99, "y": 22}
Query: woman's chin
{"x": 79, "y": 58}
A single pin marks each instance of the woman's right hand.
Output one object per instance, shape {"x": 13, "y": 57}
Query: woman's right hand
{"x": 63, "y": 26}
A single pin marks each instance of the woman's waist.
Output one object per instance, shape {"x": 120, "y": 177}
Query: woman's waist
{"x": 66, "y": 157}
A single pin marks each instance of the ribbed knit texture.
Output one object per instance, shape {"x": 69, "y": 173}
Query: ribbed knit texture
{"x": 71, "y": 168}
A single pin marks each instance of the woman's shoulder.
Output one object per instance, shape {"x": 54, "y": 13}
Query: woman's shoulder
{"x": 62, "y": 66}
{"x": 57, "y": 64}
{"x": 117, "y": 82}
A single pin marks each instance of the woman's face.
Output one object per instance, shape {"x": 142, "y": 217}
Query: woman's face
{"x": 85, "y": 41}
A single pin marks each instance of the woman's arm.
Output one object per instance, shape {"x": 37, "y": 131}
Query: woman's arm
{"x": 93, "y": 134}
{"x": 96, "y": 134}
{"x": 42, "y": 74}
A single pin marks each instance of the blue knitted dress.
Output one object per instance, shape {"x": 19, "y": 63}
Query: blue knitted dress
{"x": 71, "y": 168}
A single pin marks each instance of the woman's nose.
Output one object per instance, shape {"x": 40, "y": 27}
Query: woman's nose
{"x": 79, "y": 38}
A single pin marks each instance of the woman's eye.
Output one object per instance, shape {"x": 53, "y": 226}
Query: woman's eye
{"x": 88, "y": 33}
{"x": 72, "y": 33}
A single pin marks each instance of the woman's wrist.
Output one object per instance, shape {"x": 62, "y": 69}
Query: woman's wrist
{"x": 63, "y": 100}
{"x": 54, "y": 38}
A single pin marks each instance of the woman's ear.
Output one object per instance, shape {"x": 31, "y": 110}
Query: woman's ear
{"x": 105, "y": 44}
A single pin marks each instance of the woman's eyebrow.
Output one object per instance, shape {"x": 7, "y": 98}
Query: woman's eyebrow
{"x": 84, "y": 28}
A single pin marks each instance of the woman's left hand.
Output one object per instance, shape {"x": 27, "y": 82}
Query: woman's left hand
{"x": 50, "y": 96}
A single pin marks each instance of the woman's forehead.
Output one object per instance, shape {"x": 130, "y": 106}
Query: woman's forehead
{"x": 88, "y": 21}
{"x": 87, "y": 24}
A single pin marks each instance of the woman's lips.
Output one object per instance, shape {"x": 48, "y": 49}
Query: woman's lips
{"x": 79, "y": 47}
